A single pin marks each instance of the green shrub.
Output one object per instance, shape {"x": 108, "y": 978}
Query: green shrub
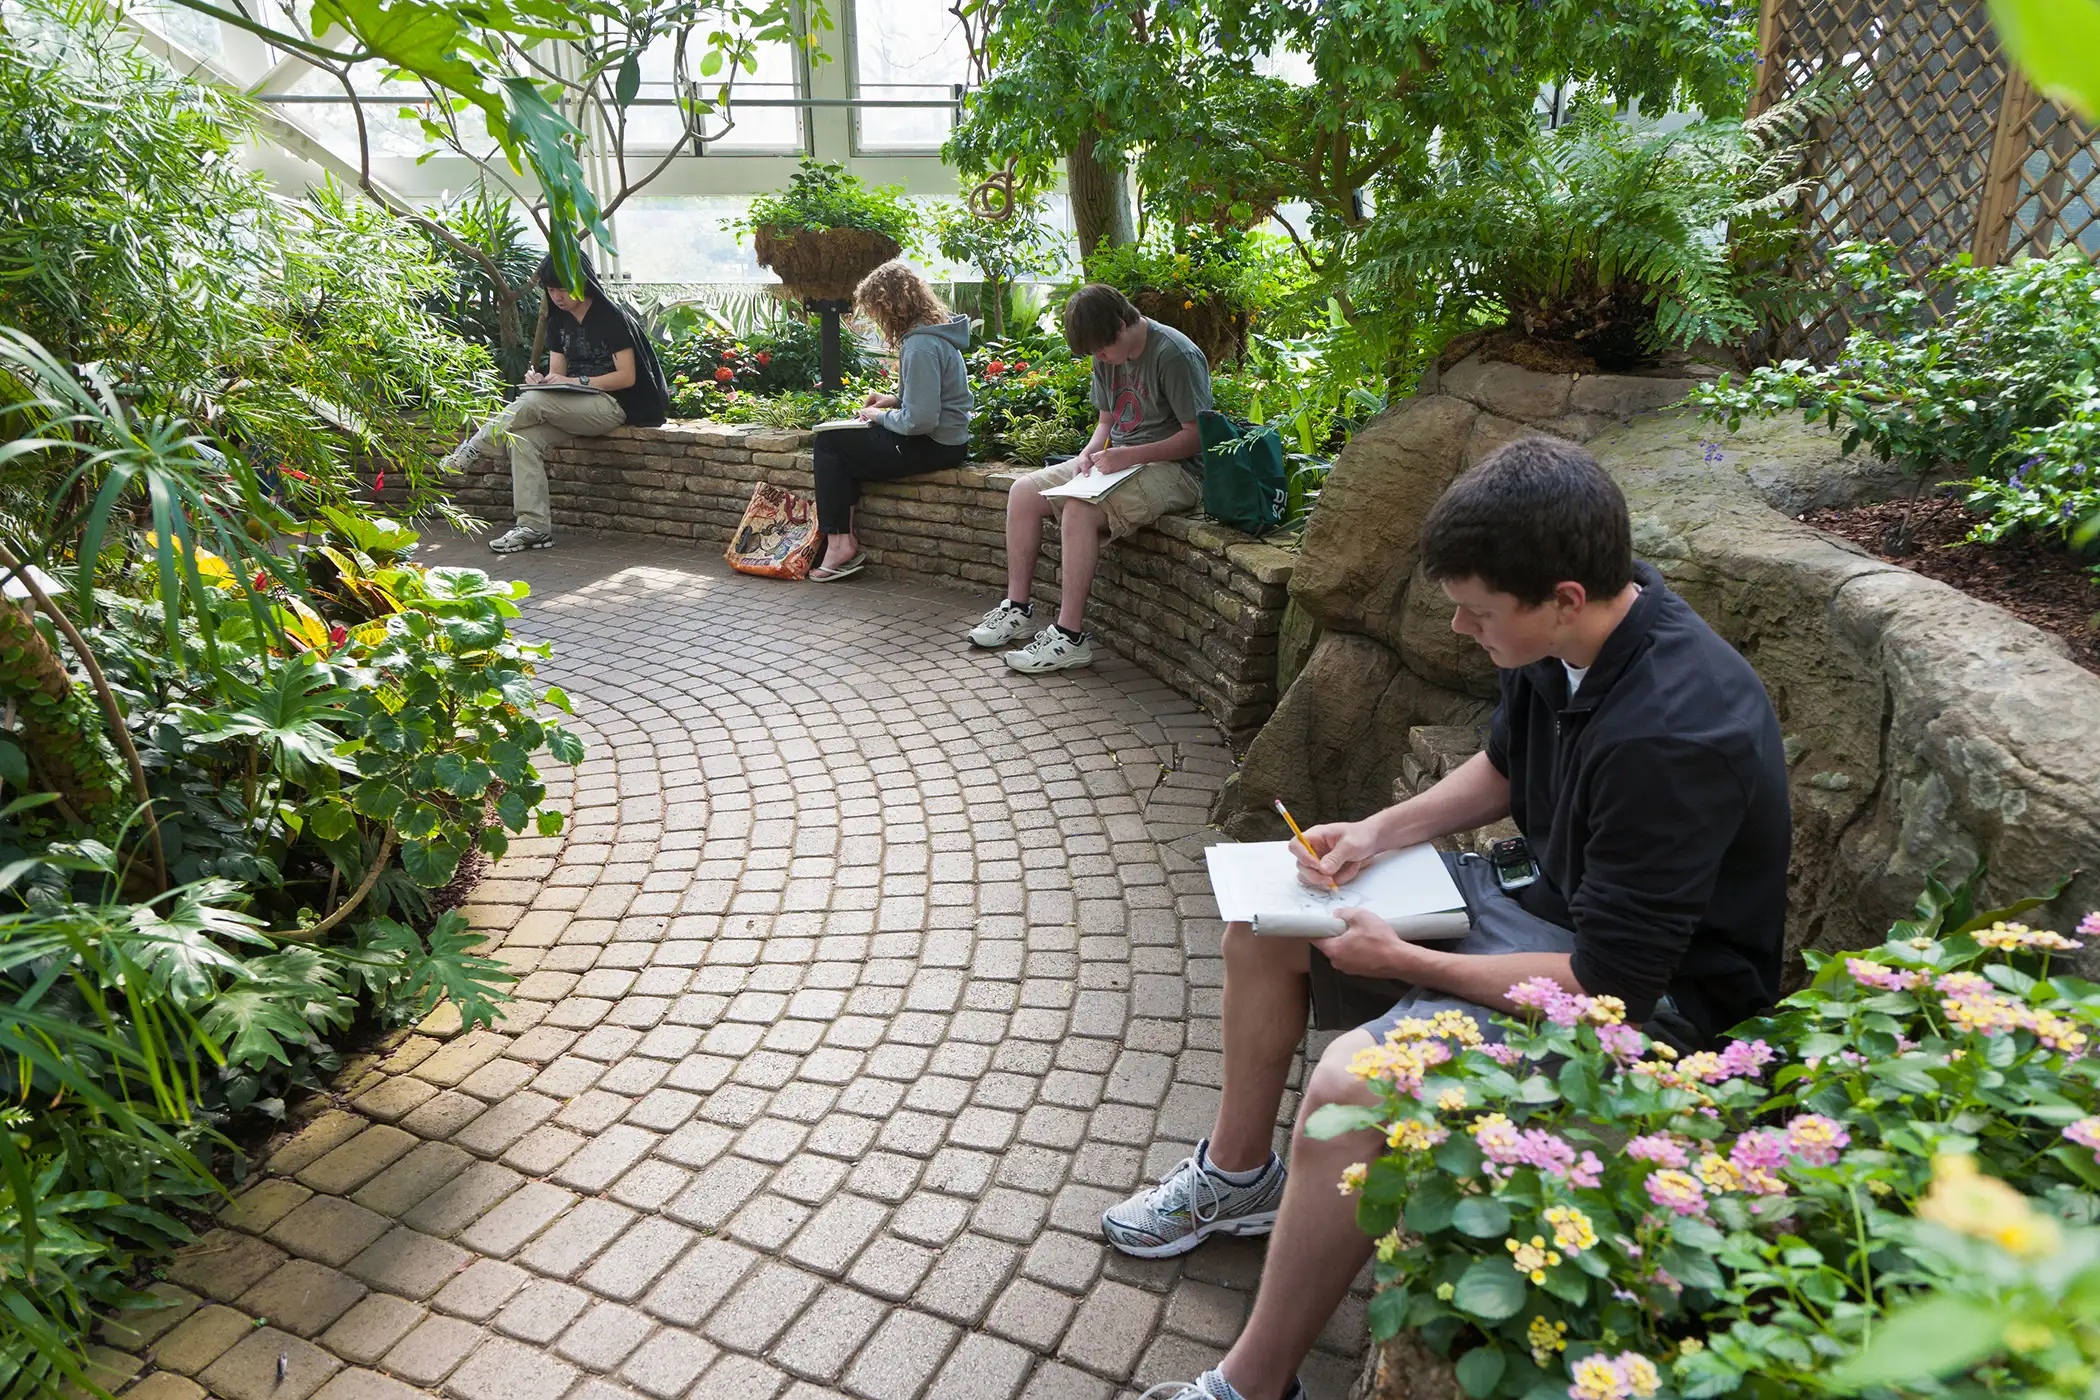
{"x": 1986, "y": 370}
{"x": 1248, "y": 272}
{"x": 1001, "y": 251}
{"x": 1028, "y": 403}
{"x": 1602, "y": 236}
{"x": 783, "y": 361}
{"x": 1579, "y": 1204}
{"x": 822, "y": 195}
{"x": 133, "y": 239}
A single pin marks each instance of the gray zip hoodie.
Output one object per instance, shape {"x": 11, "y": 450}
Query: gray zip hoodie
{"x": 933, "y": 387}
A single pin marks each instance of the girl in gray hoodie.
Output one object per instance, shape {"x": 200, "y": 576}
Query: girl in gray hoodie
{"x": 923, "y": 427}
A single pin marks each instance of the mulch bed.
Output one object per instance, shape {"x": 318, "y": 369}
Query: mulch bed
{"x": 2037, "y": 582}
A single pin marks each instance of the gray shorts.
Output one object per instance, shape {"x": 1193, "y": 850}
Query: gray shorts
{"x": 1500, "y": 925}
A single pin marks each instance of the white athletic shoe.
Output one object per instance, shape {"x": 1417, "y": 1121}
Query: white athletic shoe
{"x": 1052, "y": 650}
{"x": 1190, "y": 1204}
{"x": 1002, "y": 625}
{"x": 520, "y": 539}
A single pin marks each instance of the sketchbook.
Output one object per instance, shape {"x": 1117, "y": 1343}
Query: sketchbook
{"x": 1256, "y": 882}
{"x": 561, "y": 388}
{"x": 1093, "y": 486}
{"x": 832, "y": 425}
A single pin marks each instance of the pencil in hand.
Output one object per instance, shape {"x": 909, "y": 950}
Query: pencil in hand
{"x": 1285, "y": 813}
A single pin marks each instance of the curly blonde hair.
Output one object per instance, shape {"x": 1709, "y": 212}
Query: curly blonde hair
{"x": 898, "y": 300}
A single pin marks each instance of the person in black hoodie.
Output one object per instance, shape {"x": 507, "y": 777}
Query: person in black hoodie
{"x": 1640, "y": 757}
{"x": 593, "y": 384}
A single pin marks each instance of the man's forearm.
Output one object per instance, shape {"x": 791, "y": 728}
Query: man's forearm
{"x": 1184, "y": 444}
{"x": 1486, "y": 978}
{"x": 1471, "y": 795}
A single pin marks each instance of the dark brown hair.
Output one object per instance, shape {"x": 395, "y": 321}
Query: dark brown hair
{"x": 1529, "y": 516}
{"x": 1095, "y": 316}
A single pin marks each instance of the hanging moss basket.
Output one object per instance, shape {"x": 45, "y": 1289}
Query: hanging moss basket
{"x": 1219, "y": 330}
{"x": 822, "y": 264}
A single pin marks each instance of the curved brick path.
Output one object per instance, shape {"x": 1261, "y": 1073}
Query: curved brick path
{"x": 865, "y": 976}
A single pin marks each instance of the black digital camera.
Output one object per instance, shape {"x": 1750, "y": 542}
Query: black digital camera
{"x": 1510, "y": 858}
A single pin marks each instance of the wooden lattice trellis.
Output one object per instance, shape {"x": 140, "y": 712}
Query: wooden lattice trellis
{"x": 1946, "y": 150}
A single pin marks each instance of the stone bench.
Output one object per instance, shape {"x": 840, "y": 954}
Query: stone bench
{"x": 1196, "y": 604}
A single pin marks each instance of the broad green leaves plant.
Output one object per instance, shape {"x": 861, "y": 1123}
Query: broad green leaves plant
{"x": 1580, "y": 1211}
{"x": 1988, "y": 371}
{"x": 823, "y": 195}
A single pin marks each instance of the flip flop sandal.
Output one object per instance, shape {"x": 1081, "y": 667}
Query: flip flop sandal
{"x": 846, "y": 570}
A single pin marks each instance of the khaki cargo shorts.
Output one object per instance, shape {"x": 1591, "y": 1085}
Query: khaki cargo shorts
{"x": 1153, "y": 490}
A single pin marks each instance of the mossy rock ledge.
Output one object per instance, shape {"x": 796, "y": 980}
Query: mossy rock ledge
{"x": 1925, "y": 729}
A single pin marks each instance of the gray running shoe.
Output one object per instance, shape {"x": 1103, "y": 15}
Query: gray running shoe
{"x": 520, "y": 539}
{"x": 1211, "y": 1385}
{"x": 1189, "y": 1205}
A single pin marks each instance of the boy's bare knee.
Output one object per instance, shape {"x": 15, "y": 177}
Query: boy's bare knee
{"x": 1331, "y": 1081}
{"x": 1250, "y": 955}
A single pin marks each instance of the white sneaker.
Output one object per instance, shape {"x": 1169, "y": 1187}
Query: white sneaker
{"x": 1190, "y": 1204}
{"x": 1002, "y": 625}
{"x": 520, "y": 539}
{"x": 1052, "y": 650}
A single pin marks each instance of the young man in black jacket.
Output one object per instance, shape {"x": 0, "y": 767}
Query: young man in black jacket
{"x": 1639, "y": 755}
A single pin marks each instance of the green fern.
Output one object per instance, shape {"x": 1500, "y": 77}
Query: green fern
{"x": 1617, "y": 241}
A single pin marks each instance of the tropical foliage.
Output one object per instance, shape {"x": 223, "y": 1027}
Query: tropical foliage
{"x": 822, "y": 195}
{"x": 1831, "y": 1204}
{"x": 1989, "y": 372}
{"x": 1602, "y": 236}
{"x": 247, "y": 738}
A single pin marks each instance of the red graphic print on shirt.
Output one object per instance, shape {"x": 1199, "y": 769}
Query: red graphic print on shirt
{"x": 1130, "y": 407}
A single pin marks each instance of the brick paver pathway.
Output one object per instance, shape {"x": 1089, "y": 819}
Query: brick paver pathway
{"x": 865, "y": 976}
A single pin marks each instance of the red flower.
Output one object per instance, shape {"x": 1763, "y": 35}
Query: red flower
{"x": 765, "y": 357}
{"x": 724, "y": 375}
{"x": 262, "y": 580}
{"x": 1022, "y": 367}
{"x": 379, "y": 482}
{"x": 297, "y": 475}
{"x": 996, "y": 367}
{"x": 337, "y": 636}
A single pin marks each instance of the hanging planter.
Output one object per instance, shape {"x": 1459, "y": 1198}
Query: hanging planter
{"x": 822, "y": 264}
{"x": 1218, "y": 327}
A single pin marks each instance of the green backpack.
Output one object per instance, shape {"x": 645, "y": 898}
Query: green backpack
{"x": 1244, "y": 484}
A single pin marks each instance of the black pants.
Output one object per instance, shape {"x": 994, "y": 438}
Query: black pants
{"x": 846, "y": 457}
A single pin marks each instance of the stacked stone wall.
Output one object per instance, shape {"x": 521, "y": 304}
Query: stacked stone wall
{"x": 1196, "y": 604}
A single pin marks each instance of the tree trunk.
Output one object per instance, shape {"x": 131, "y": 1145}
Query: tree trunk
{"x": 1100, "y": 201}
{"x": 995, "y": 312}
{"x": 58, "y": 726}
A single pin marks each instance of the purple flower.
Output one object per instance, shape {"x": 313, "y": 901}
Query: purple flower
{"x": 1658, "y": 1148}
{"x": 1817, "y": 1140}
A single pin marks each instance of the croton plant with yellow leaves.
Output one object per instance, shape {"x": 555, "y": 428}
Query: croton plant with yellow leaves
{"x": 1577, "y": 1211}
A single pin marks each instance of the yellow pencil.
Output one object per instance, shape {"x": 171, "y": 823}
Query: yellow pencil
{"x": 1285, "y": 813}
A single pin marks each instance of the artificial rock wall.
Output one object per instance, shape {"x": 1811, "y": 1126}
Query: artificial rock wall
{"x": 1194, "y": 603}
{"x": 1924, "y": 729}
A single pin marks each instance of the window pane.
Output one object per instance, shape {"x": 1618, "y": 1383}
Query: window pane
{"x": 906, "y": 49}
{"x": 335, "y": 125}
{"x": 680, "y": 238}
{"x": 194, "y": 33}
{"x": 757, "y": 128}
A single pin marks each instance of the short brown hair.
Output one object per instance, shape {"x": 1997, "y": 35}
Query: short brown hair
{"x": 898, "y": 300}
{"x": 1529, "y": 516}
{"x": 1095, "y": 316}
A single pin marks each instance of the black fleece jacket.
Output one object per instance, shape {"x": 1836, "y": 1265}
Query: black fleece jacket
{"x": 1655, "y": 801}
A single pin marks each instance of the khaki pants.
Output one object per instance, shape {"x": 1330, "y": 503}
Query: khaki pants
{"x": 532, "y": 423}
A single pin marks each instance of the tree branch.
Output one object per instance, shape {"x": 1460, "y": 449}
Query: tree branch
{"x": 120, "y": 735}
{"x": 357, "y": 896}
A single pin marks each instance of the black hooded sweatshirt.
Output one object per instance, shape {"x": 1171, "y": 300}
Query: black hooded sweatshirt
{"x": 1655, "y": 801}
{"x": 588, "y": 347}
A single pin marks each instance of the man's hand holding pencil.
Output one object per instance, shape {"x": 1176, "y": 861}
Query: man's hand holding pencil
{"x": 1331, "y": 854}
